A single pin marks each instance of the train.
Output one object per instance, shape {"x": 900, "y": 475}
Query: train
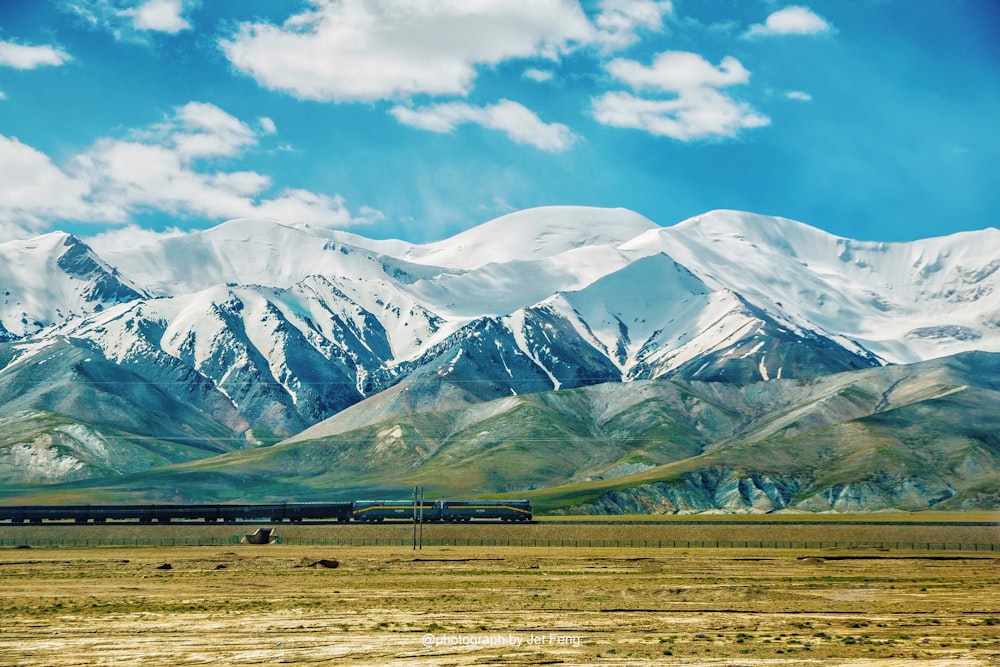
{"x": 366, "y": 511}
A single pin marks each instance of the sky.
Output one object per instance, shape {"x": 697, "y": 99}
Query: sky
{"x": 124, "y": 120}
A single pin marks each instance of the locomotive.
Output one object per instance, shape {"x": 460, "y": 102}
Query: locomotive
{"x": 357, "y": 510}
{"x": 453, "y": 511}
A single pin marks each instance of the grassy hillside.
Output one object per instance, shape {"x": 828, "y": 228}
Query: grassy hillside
{"x": 67, "y": 414}
{"x": 905, "y": 437}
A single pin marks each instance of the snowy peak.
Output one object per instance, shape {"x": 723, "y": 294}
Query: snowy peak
{"x": 533, "y": 234}
{"x": 621, "y": 319}
{"x": 103, "y": 284}
{"x": 53, "y": 278}
{"x": 765, "y": 230}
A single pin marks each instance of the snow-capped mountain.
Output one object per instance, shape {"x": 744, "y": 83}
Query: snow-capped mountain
{"x": 272, "y": 328}
{"x": 54, "y": 278}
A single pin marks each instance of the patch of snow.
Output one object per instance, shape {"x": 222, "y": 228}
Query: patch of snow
{"x": 393, "y": 432}
{"x": 92, "y": 443}
{"x": 502, "y": 360}
{"x": 40, "y": 461}
{"x": 449, "y": 368}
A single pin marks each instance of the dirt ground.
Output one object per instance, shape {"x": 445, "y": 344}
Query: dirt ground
{"x": 276, "y": 604}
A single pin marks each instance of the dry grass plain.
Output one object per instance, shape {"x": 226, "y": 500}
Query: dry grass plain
{"x": 491, "y": 605}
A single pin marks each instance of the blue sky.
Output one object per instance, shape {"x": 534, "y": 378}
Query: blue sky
{"x": 416, "y": 119}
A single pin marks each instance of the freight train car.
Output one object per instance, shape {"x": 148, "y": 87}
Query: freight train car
{"x": 228, "y": 513}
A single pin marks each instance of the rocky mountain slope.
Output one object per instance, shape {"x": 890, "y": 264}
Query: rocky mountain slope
{"x": 71, "y": 414}
{"x": 904, "y": 437}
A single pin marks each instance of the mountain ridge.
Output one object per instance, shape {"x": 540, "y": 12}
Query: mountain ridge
{"x": 275, "y": 332}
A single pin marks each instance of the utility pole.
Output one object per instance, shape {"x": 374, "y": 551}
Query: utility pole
{"x": 421, "y": 518}
{"x": 414, "y": 518}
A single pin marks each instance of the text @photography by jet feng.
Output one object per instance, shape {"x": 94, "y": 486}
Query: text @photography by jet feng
{"x": 506, "y": 640}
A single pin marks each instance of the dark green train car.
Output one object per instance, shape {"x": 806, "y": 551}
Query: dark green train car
{"x": 467, "y": 510}
{"x": 380, "y": 510}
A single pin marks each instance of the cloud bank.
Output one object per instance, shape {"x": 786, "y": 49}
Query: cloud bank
{"x": 161, "y": 168}
{"x": 365, "y": 50}
{"x": 371, "y": 50}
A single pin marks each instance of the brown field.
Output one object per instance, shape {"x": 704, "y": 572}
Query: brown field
{"x": 240, "y": 604}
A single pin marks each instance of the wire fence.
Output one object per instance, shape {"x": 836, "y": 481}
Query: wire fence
{"x": 170, "y": 541}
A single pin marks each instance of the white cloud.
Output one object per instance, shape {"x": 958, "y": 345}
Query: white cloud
{"x": 694, "y": 108}
{"x": 539, "y": 75}
{"x": 133, "y": 21}
{"x": 157, "y": 169}
{"x": 10, "y": 231}
{"x": 200, "y": 130}
{"x": 21, "y": 56}
{"x": 129, "y": 236}
{"x": 700, "y": 114}
{"x": 498, "y": 204}
{"x": 159, "y": 16}
{"x": 517, "y": 121}
{"x": 799, "y": 95}
{"x": 363, "y": 50}
{"x": 679, "y": 70}
{"x": 792, "y": 20}
{"x": 267, "y": 125}
{"x": 302, "y": 206}
{"x": 34, "y": 189}
{"x": 134, "y": 176}
{"x": 619, "y": 20}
